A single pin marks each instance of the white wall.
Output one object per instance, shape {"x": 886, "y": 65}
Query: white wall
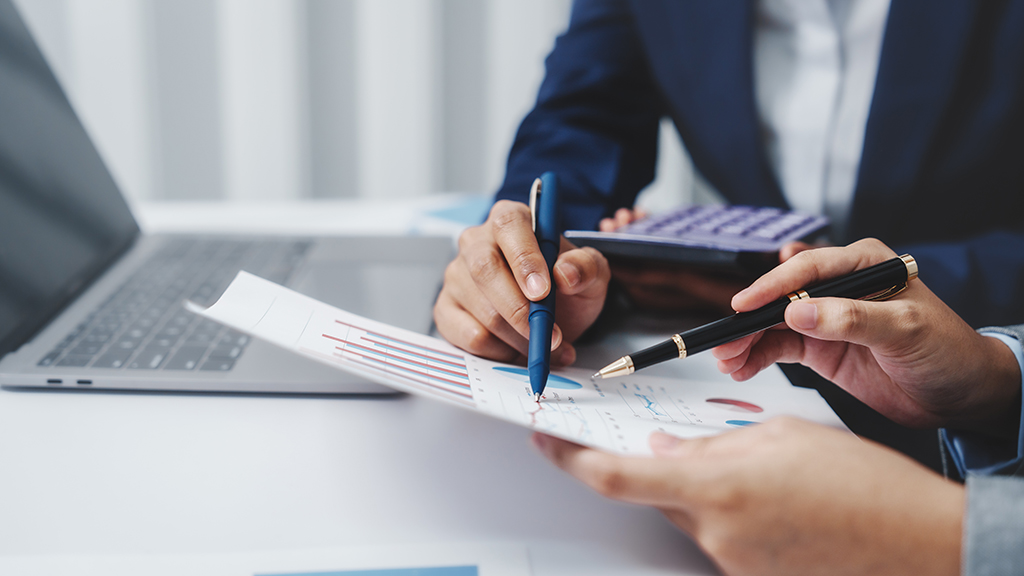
{"x": 274, "y": 99}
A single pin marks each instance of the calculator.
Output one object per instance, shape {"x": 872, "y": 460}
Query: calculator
{"x": 741, "y": 241}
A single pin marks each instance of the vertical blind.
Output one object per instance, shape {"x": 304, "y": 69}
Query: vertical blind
{"x": 281, "y": 99}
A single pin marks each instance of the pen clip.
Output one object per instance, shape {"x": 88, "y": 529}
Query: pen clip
{"x": 534, "y": 195}
{"x": 887, "y": 293}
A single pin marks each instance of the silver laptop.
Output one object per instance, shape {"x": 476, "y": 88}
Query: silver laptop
{"x": 89, "y": 302}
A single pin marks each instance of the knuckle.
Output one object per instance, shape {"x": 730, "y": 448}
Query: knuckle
{"x": 508, "y": 213}
{"x": 910, "y": 319}
{"x": 475, "y": 338}
{"x": 850, "y": 317}
{"x": 492, "y": 320}
{"x": 469, "y": 238}
{"x": 873, "y": 243}
{"x": 594, "y": 257}
{"x": 609, "y": 479}
{"x": 519, "y": 314}
{"x": 451, "y": 273}
{"x": 485, "y": 265}
{"x": 522, "y": 259}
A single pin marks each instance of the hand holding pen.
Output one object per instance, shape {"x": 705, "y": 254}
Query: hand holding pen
{"x": 878, "y": 282}
{"x": 910, "y": 357}
{"x": 484, "y": 304}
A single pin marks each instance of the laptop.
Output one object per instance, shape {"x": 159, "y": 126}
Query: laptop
{"x": 89, "y": 302}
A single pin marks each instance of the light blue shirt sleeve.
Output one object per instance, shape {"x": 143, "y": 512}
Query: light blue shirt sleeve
{"x": 979, "y": 455}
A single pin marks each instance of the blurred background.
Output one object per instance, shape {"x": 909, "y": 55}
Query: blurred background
{"x": 288, "y": 99}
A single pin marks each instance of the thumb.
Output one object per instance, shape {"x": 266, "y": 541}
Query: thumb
{"x": 871, "y": 324}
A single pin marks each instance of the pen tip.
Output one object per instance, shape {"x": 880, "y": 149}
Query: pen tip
{"x": 596, "y": 376}
{"x": 536, "y": 397}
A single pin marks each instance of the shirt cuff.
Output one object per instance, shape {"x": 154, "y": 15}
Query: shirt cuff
{"x": 978, "y": 454}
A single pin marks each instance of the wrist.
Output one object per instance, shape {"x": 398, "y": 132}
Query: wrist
{"x": 995, "y": 407}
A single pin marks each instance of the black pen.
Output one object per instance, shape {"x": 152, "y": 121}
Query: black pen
{"x": 877, "y": 282}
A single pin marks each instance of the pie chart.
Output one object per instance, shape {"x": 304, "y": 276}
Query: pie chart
{"x": 735, "y": 405}
{"x": 521, "y": 375}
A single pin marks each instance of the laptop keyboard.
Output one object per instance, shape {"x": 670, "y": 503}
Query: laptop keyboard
{"x": 143, "y": 325}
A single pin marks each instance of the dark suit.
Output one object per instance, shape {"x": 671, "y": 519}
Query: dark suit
{"x": 942, "y": 170}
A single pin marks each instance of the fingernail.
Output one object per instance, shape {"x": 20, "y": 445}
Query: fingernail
{"x": 663, "y": 443}
{"x": 535, "y": 286}
{"x": 570, "y": 273}
{"x": 803, "y": 315}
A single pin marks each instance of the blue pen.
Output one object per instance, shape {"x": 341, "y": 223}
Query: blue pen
{"x": 545, "y": 212}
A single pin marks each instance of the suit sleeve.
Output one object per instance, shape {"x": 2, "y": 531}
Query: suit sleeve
{"x": 595, "y": 122}
{"x": 982, "y": 277}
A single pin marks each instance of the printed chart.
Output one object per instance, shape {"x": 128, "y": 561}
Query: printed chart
{"x": 441, "y": 371}
{"x": 617, "y": 415}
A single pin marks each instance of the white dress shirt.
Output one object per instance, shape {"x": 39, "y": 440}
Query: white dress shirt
{"x": 815, "y": 63}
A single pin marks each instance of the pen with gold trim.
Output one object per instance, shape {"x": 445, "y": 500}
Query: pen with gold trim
{"x": 876, "y": 282}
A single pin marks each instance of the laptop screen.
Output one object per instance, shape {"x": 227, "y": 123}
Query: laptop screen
{"x": 62, "y": 218}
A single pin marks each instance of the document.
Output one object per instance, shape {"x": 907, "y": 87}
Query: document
{"x": 616, "y": 415}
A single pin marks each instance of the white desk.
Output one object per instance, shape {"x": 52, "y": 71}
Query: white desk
{"x": 100, "y": 473}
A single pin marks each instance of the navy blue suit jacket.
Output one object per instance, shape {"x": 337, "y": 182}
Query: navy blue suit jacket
{"x": 942, "y": 170}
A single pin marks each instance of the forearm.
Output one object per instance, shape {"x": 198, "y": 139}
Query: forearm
{"x": 595, "y": 122}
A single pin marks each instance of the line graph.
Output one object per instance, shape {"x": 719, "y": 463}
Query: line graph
{"x": 441, "y": 372}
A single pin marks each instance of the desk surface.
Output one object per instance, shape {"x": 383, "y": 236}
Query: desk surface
{"x": 105, "y": 473}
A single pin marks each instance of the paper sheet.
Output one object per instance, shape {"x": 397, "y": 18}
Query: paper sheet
{"x": 616, "y": 415}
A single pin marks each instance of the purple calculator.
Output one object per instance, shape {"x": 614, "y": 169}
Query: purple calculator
{"x": 736, "y": 240}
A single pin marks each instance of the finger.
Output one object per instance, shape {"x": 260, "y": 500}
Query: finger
{"x": 792, "y": 249}
{"x": 876, "y": 325}
{"x": 512, "y": 227}
{"x": 775, "y": 346}
{"x": 499, "y": 293}
{"x": 623, "y": 216}
{"x": 736, "y": 347}
{"x": 564, "y": 355}
{"x": 809, "y": 267}
{"x": 463, "y": 330}
{"x": 461, "y": 288}
{"x": 581, "y": 270}
{"x": 648, "y": 481}
{"x": 606, "y": 225}
{"x": 730, "y": 365}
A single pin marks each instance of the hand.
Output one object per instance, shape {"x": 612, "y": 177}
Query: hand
{"x": 787, "y": 497}
{"x": 622, "y": 217}
{"x": 911, "y": 358}
{"x": 484, "y": 304}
